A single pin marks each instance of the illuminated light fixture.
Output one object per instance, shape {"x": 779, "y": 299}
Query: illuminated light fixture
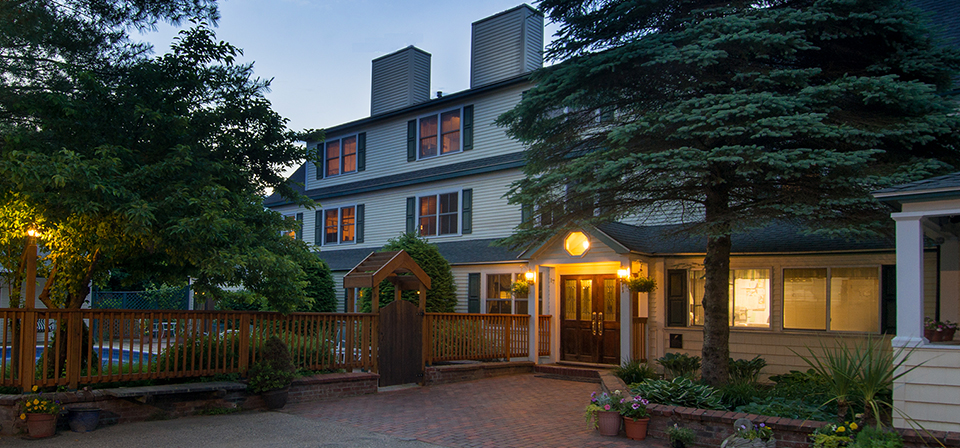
{"x": 576, "y": 244}
{"x": 530, "y": 276}
{"x": 623, "y": 273}
{"x": 33, "y": 233}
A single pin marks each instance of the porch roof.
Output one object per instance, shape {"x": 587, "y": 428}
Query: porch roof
{"x": 941, "y": 187}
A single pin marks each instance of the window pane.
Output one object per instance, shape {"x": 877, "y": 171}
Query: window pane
{"x": 855, "y": 299}
{"x": 570, "y": 300}
{"x": 450, "y": 129}
{"x": 448, "y": 213}
{"x": 805, "y": 299}
{"x": 428, "y": 205}
{"x": 428, "y": 226}
{"x": 498, "y": 286}
{"x": 586, "y": 299}
{"x": 330, "y": 226}
{"x": 750, "y": 297}
{"x": 333, "y": 158}
{"x": 448, "y": 202}
{"x": 428, "y": 136}
{"x": 428, "y": 216}
{"x": 521, "y": 306}
{"x": 498, "y": 306}
{"x": 349, "y": 154}
{"x": 347, "y": 221}
{"x": 695, "y": 297}
{"x": 610, "y": 300}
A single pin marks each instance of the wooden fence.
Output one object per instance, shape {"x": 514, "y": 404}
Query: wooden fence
{"x": 69, "y": 348}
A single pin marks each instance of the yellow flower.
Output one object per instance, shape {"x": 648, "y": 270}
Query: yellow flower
{"x": 35, "y": 401}
{"x": 853, "y": 426}
{"x": 23, "y": 416}
{"x": 34, "y": 388}
{"x": 841, "y": 429}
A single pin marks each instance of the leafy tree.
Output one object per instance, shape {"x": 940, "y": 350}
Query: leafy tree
{"x": 732, "y": 114}
{"x": 442, "y": 295}
{"x": 320, "y": 287}
{"x": 154, "y": 164}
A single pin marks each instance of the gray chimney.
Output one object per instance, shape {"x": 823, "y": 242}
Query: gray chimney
{"x": 400, "y": 79}
{"x": 505, "y": 45}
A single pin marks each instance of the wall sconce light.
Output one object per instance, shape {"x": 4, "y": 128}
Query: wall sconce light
{"x": 623, "y": 273}
{"x": 530, "y": 276}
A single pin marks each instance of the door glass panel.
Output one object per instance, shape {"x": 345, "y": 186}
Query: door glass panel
{"x": 609, "y": 300}
{"x": 586, "y": 299}
{"x": 570, "y": 300}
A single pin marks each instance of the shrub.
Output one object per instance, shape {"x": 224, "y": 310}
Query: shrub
{"x": 320, "y": 287}
{"x": 743, "y": 371}
{"x": 785, "y": 408}
{"x": 275, "y": 369}
{"x": 872, "y": 437}
{"x": 635, "y": 371}
{"x": 737, "y": 394}
{"x": 678, "y": 392}
{"x": 807, "y": 387}
{"x": 680, "y": 365}
{"x": 200, "y": 352}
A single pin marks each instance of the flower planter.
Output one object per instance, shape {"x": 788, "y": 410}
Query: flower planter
{"x": 608, "y": 422}
{"x": 83, "y": 419}
{"x": 636, "y": 429}
{"x": 275, "y": 399}
{"x": 41, "y": 425}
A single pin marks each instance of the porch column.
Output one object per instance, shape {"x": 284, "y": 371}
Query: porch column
{"x": 532, "y": 306}
{"x": 909, "y": 280}
{"x": 627, "y": 311}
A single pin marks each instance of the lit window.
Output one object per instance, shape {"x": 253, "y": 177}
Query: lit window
{"x": 443, "y": 139}
{"x": 339, "y": 225}
{"x": 837, "y": 299}
{"x": 439, "y": 214}
{"x": 576, "y": 244}
{"x": 500, "y": 297}
{"x": 340, "y": 156}
{"x": 749, "y": 302}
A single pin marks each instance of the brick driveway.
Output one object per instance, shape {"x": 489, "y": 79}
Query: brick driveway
{"x": 509, "y": 411}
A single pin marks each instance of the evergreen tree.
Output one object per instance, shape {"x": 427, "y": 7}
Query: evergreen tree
{"x": 442, "y": 295}
{"x": 732, "y": 114}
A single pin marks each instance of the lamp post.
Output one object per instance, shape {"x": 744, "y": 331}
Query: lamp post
{"x": 28, "y": 329}
{"x": 30, "y": 253}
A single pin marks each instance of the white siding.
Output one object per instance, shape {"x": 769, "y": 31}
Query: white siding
{"x": 386, "y": 151}
{"x": 930, "y": 394}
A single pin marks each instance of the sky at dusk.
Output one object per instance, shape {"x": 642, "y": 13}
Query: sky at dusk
{"x": 319, "y": 53}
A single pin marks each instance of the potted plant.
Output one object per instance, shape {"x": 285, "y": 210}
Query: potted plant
{"x": 603, "y": 410}
{"x": 937, "y": 331}
{"x": 39, "y": 414}
{"x": 520, "y": 288}
{"x": 680, "y": 437}
{"x": 271, "y": 376}
{"x": 748, "y": 435}
{"x": 635, "y": 416}
{"x": 641, "y": 284}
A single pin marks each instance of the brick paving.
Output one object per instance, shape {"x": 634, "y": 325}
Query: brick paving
{"x": 509, "y": 411}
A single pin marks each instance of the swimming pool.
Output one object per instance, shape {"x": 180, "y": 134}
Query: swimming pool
{"x": 107, "y": 354}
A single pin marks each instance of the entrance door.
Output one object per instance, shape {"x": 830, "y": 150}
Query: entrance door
{"x": 590, "y": 324}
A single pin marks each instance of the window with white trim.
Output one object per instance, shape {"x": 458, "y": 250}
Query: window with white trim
{"x": 340, "y": 156}
{"x": 500, "y": 298}
{"x": 439, "y": 134}
{"x": 339, "y": 225}
{"x": 836, "y": 299}
{"x": 438, "y": 214}
{"x": 749, "y": 303}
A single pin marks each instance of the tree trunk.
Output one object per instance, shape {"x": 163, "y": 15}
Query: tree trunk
{"x": 716, "y": 297}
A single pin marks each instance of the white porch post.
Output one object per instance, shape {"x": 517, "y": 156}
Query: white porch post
{"x": 627, "y": 308}
{"x": 909, "y": 280}
{"x": 533, "y": 300}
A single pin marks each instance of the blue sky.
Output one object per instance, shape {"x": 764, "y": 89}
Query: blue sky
{"x": 318, "y": 52}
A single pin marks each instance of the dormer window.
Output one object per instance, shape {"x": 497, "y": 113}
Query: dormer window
{"x": 342, "y": 156}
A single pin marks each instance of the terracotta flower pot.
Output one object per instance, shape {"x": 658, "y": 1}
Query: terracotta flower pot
{"x": 41, "y": 425}
{"x": 608, "y": 422}
{"x": 636, "y": 429}
{"x": 275, "y": 399}
{"x": 948, "y": 334}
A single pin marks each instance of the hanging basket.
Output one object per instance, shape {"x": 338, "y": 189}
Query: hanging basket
{"x": 641, "y": 284}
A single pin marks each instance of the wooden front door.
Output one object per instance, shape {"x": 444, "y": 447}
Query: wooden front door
{"x": 590, "y": 324}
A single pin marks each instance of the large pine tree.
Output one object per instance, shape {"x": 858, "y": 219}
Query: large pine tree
{"x": 736, "y": 113}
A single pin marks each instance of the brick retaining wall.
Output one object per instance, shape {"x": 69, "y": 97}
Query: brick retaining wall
{"x": 456, "y": 373}
{"x": 160, "y": 407}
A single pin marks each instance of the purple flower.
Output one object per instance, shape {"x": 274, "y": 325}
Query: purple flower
{"x": 593, "y": 394}
{"x": 762, "y": 425}
{"x": 636, "y": 406}
{"x": 606, "y": 407}
{"x": 644, "y": 401}
{"x": 623, "y": 400}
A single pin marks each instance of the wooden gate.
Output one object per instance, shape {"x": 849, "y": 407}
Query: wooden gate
{"x": 401, "y": 344}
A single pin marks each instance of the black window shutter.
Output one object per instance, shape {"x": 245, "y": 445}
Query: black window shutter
{"x": 888, "y": 299}
{"x": 321, "y": 169}
{"x": 466, "y": 226}
{"x": 299, "y": 232}
{"x": 362, "y": 151}
{"x": 411, "y": 214}
{"x": 473, "y": 292}
{"x": 676, "y": 298}
{"x": 468, "y": 127}
{"x": 411, "y": 140}
{"x": 318, "y": 228}
{"x": 359, "y": 223}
